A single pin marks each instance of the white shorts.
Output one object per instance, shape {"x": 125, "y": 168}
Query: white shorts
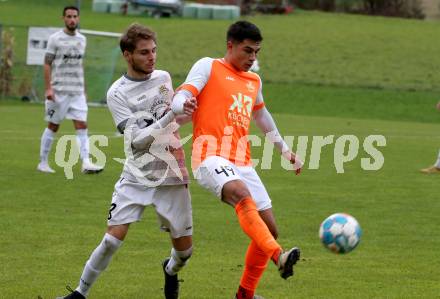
{"x": 214, "y": 172}
{"x": 172, "y": 204}
{"x": 66, "y": 106}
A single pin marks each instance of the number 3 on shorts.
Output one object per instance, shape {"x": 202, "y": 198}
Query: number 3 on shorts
{"x": 112, "y": 207}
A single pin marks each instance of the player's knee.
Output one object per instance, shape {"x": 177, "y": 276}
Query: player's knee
{"x": 241, "y": 194}
{"x": 53, "y": 127}
{"x": 110, "y": 244}
{"x": 236, "y": 194}
{"x": 80, "y": 125}
{"x": 234, "y": 191}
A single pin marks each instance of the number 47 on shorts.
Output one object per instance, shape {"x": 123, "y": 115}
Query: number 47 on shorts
{"x": 226, "y": 170}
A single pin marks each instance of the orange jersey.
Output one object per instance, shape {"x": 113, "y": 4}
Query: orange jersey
{"x": 225, "y": 98}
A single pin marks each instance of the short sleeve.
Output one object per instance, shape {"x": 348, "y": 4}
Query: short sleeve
{"x": 51, "y": 45}
{"x": 198, "y": 76}
{"x": 119, "y": 110}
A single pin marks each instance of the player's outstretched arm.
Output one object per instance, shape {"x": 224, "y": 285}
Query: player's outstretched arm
{"x": 142, "y": 138}
{"x": 266, "y": 124}
{"x": 183, "y": 119}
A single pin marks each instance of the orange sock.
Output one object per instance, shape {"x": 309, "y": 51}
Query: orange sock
{"x": 255, "y": 264}
{"x": 252, "y": 224}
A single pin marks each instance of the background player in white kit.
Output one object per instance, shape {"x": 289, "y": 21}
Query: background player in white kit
{"x": 139, "y": 102}
{"x": 436, "y": 167}
{"x": 65, "y": 93}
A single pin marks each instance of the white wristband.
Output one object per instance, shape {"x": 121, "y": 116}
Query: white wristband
{"x": 177, "y": 104}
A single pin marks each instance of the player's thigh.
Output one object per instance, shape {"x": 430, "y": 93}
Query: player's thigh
{"x": 78, "y": 108}
{"x": 174, "y": 210}
{"x": 256, "y": 187}
{"x": 55, "y": 111}
{"x": 128, "y": 202}
{"x": 214, "y": 173}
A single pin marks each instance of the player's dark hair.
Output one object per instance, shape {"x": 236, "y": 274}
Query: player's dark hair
{"x": 135, "y": 32}
{"x": 70, "y": 7}
{"x": 241, "y": 30}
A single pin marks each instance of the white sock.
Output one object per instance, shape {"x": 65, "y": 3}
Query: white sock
{"x": 177, "y": 260}
{"x": 83, "y": 141}
{"x": 98, "y": 262}
{"x": 437, "y": 164}
{"x": 46, "y": 144}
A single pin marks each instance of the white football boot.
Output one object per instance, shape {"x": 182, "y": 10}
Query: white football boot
{"x": 44, "y": 167}
{"x": 90, "y": 168}
{"x": 287, "y": 260}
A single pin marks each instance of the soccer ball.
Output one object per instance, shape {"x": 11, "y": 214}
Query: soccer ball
{"x": 340, "y": 233}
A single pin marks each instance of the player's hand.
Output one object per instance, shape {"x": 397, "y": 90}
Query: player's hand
{"x": 296, "y": 162}
{"x": 190, "y": 106}
{"x": 438, "y": 106}
{"x": 49, "y": 94}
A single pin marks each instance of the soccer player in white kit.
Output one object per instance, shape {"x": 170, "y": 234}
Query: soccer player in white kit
{"x": 154, "y": 173}
{"x": 436, "y": 167}
{"x": 65, "y": 94}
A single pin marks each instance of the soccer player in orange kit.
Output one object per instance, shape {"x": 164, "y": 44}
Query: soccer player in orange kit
{"x": 228, "y": 96}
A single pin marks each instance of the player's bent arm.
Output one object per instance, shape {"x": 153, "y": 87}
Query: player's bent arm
{"x": 183, "y": 119}
{"x": 142, "y": 138}
{"x": 266, "y": 124}
{"x": 124, "y": 119}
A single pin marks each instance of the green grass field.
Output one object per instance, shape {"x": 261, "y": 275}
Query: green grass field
{"x": 50, "y": 225}
{"x": 345, "y": 75}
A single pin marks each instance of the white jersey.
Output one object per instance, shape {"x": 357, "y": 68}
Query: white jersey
{"x": 142, "y": 102}
{"x": 67, "y": 75}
